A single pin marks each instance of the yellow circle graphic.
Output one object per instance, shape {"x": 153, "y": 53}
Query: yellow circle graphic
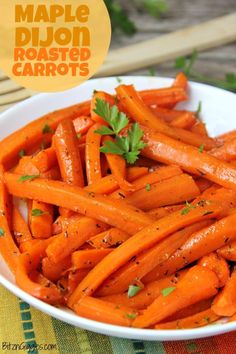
{"x": 53, "y": 45}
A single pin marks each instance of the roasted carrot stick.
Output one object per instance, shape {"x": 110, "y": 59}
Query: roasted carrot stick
{"x": 34, "y": 133}
{"x": 164, "y": 96}
{"x": 225, "y": 302}
{"x": 199, "y": 283}
{"x": 146, "y": 295}
{"x": 199, "y": 128}
{"x": 218, "y": 265}
{"x": 37, "y": 246}
{"x": 82, "y": 124}
{"x": 203, "y": 183}
{"x": 104, "y": 311}
{"x": 87, "y": 259}
{"x": 226, "y": 152}
{"x": 108, "y": 238}
{"x": 228, "y": 251}
{"x": 68, "y": 156}
{"x": 167, "y": 150}
{"x": 144, "y": 239}
{"x": 53, "y": 271}
{"x": 41, "y": 219}
{"x": 227, "y": 136}
{"x": 169, "y": 114}
{"x": 198, "y": 245}
{"x": 20, "y": 228}
{"x": 143, "y": 115}
{"x": 198, "y": 320}
{"x": 45, "y": 159}
{"x": 170, "y": 191}
{"x": 181, "y": 80}
{"x": 141, "y": 265}
{"x": 93, "y": 162}
{"x": 114, "y": 212}
{"x": 185, "y": 121}
{"x": 159, "y": 213}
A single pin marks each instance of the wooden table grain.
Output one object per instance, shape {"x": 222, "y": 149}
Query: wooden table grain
{"x": 182, "y": 13}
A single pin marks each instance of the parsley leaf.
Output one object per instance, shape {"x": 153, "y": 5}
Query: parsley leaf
{"x": 27, "y": 178}
{"x": 47, "y": 129}
{"x": 104, "y": 130}
{"x": 186, "y": 210}
{"x": 2, "y": 232}
{"x": 38, "y": 212}
{"x": 133, "y": 290}
{"x": 148, "y": 187}
{"x": 199, "y": 109}
{"x": 131, "y": 315}
{"x": 152, "y": 72}
{"x": 167, "y": 291}
{"x": 201, "y": 148}
{"x": 110, "y": 147}
{"x": 119, "y": 19}
{"x": 119, "y": 80}
{"x": 21, "y": 153}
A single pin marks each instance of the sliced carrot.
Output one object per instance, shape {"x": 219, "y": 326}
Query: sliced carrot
{"x": 82, "y": 124}
{"x": 53, "y": 271}
{"x": 225, "y": 302}
{"x": 87, "y": 259}
{"x": 203, "y": 183}
{"x": 93, "y": 162}
{"x": 173, "y": 190}
{"x": 199, "y": 128}
{"x": 109, "y": 238}
{"x": 141, "y": 265}
{"x": 169, "y": 114}
{"x": 198, "y": 284}
{"x": 181, "y": 80}
{"x": 185, "y": 121}
{"x": 114, "y": 212}
{"x": 218, "y": 265}
{"x": 226, "y": 152}
{"x": 104, "y": 311}
{"x": 161, "y": 212}
{"x": 198, "y": 320}
{"x": 167, "y": 150}
{"x": 163, "y": 96}
{"x": 41, "y": 219}
{"x": 227, "y": 136}
{"x": 20, "y": 228}
{"x": 228, "y": 251}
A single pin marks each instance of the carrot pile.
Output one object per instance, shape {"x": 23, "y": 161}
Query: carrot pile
{"x": 131, "y": 210}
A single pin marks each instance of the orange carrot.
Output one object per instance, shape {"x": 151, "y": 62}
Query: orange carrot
{"x": 198, "y": 320}
{"x": 218, "y": 265}
{"x": 45, "y": 159}
{"x": 170, "y": 191}
{"x": 139, "y": 266}
{"x": 226, "y": 152}
{"x": 87, "y": 259}
{"x": 114, "y": 212}
{"x": 144, "y": 239}
{"x": 53, "y": 271}
{"x": 34, "y": 133}
{"x": 225, "y": 302}
{"x": 163, "y": 96}
{"x": 169, "y": 114}
{"x": 104, "y": 311}
{"x": 203, "y": 183}
{"x": 199, "y": 128}
{"x": 181, "y": 80}
{"x": 227, "y": 136}
{"x": 68, "y": 156}
{"x": 185, "y": 121}
{"x": 102, "y": 96}
{"x": 164, "y": 149}
{"x": 198, "y": 284}
{"x": 82, "y": 124}
{"x": 108, "y": 238}
{"x": 93, "y": 163}
{"x": 20, "y": 228}
{"x": 146, "y": 295}
{"x": 228, "y": 251}
{"x": 41, "y": 219}
{"x": 142, "y": 114}
{"x": 159, "y": 213}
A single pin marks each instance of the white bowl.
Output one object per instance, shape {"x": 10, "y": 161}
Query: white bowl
{"x": 218, "y": 111}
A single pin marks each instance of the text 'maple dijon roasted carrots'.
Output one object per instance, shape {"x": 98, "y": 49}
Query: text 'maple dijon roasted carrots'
{"x": 131, "y": 210}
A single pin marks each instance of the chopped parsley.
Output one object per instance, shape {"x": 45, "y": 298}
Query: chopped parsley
{"x": 133, "y": 290}
{"x": 167, "y": 291}
{"x": 27, "y": 178}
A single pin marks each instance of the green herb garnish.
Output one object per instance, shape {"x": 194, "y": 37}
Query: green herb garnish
{"x": 38, "y": 212}
{"x": 199, "y": 109}
{"x": 2, "y": 232}
{"x": 21, "y": 153}
{"x": 186, "y": 210}
{"x": 47, "y": 129}
{"x": 119, "y": 19}
{"x": 131, "y": 315}
{"x": 167, "y": 291}
{"x": 152, "y": 72}
{"x": 27, "y": 178}
{"x": 201, "y": 148}
{"x": 148, "y": 187}
{"x": 119, "y": 80}
{"x": 133, "y": 290}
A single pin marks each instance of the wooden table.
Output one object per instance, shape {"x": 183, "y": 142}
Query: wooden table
{"x": 182, "y": 13}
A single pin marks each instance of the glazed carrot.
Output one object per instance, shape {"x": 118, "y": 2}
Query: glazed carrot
{"x": 37, "y": 246}
{"x": 157, "y": 175}
{"x": 41, "y": 219}
{"x": 143, "y": 240}
{"x": 26, "y": 264}
{"x": 87, "y": 259}
{"x": 224, "y": 304}
{"x": 45, "y": 159}
{"x": 34, "y": 133}
{"x": 203, "y": 183}
{"x": 161, "y": 212}
{"x": 114, "y": 212}
{"x": 143, "y": 115}
{"x": 170, "y": 191}
{"x": 163, "y": 96}
{"x": 199, "y": 128}
{"x": 8, "y": 249}
{"x": 218, "y": 265}
{"x": 93, "y": 163}
{"x": 141, "y": 265}
{"x": 167, "y": 150}
{"x": 181, "y": 80}
{"x": 169, "y": 114}
{"x": 68, "y": 156}
{"x": 78, "y": 231}
{"x": 20, "y": 228}
{"x": 185, "y": 121}
{"x": 117, "y": 166}
{"x": 104, "y": 311}
{"x": 108, "y": 238}
{"x": 228, "y": 251}
{"x": 198, "y": 320}
{"x": 227, "y": 136}
{"x": 102, "y": 96}
{"x": 198, "y": 284}
{"x": 82, "y": 124}
{"x": 53, "y": 271}
{"x": 146, "y": 295}
{"x": 191, "y": 310}
{"x": 198, "y": 245}
{"x": 226, "y": 152}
